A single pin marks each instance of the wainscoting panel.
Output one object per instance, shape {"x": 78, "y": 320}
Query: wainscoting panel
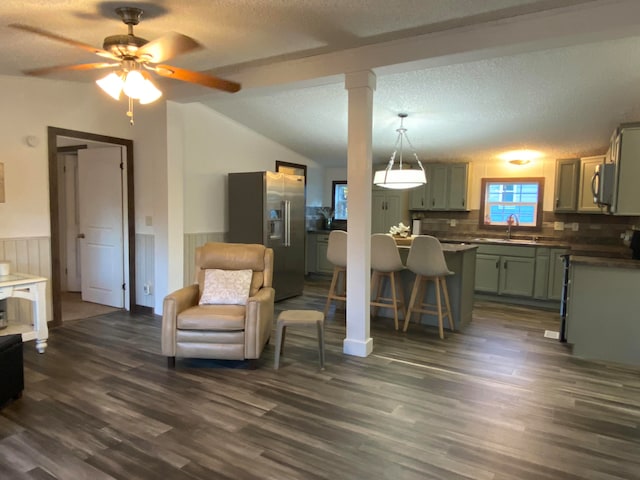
{"x": 191, "y": 242}
{"x": 145, "y": 269}
{"x": 27, "y": 255}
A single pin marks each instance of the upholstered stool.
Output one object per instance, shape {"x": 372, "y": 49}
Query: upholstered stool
{"x": 11, "y": 368}
{"x": 293, "y": 318}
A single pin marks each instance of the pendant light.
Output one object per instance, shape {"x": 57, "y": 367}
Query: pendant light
{"x": 400, "y": 178}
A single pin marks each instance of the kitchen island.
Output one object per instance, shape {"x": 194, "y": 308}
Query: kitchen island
{"x": 603, "y": 309}
{"x": 461, "y": 259}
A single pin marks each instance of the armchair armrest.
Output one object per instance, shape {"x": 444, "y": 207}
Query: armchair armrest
{"x": 258, "y": 322}
{"x": 173, "y": 304}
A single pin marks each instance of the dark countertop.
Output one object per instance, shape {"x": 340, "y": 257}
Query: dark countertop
{"x": 582, "y": 249}
{"x": 605, "y": 262}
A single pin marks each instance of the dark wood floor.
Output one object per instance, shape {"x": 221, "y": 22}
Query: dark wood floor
{"x": 497, "y": 401}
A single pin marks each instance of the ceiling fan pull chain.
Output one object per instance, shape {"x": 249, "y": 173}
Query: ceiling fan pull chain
{"x": 130, "y": 112}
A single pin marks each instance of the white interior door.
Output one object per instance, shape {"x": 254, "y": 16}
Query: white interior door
{"x": 100, "y": 201}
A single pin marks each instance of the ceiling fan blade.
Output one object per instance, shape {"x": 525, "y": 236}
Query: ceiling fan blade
{"x": 167, "y": 46}
{"x": 62, "y": 68}
{"x": 196, "y": 77}
{"x": 59, "y": 38}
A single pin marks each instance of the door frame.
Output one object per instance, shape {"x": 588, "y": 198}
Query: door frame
{"x": 53, "y": 133}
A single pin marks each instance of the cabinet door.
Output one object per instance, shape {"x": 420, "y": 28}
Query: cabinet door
{"x": 541, "y": 282}
{"x": 312, "y": 257}
{"x": 324, "y": 265}
{"x": 393, "y": 213}
{"x": 517, "y": 276}
{"x": 439, "y": 191}
{"x": 556, "y": 274}
{"x": 419, "y": 198}
{"x": 378, "y": 220}
{"x": 585, "y": 195}
{"x": 457, "y": 183}
{"x": 567, "y": 172}
{"x": 487, "y": 273}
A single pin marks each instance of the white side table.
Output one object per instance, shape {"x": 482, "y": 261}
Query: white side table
{"x": 33, "y": 288}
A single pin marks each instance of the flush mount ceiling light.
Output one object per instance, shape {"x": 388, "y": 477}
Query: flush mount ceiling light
{"x": 520, "y": 157}
{"x": 400, "y": 178}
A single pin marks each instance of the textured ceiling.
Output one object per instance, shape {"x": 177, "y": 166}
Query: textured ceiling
{"x": 561, "y": 94}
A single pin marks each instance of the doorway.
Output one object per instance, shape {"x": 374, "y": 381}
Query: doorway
{"x": 64, "y": 146}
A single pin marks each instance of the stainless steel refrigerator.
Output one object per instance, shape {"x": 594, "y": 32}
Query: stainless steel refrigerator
{"x": 269, "y": 208}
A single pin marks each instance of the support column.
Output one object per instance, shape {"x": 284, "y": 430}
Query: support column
{"x": 360, "y": 86}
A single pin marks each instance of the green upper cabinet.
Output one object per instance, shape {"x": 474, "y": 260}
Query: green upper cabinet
{"x": 585, "y": 193}
{"x": 388, "y": 208}
{"x": 439, "y": 186}
{"x": 446, "y": 189}
{"x": 458, "y": 181}
{"x": 567, "y": 175}
{"x": 419, "y": 197}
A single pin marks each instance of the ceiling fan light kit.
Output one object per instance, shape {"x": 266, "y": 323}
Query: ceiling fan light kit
{"x": 135, "y": 57}
{"x": 400, "y": 178}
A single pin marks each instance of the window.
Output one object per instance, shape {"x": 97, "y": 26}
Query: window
{"x": 512, "y": 201}
{"x": 339, "y": 199}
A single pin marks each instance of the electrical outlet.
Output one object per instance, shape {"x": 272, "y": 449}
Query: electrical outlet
{"x": 575, "y": 226}
{"x": 147, "y": 289}
{"x": 453, "y": 222}
{"x": 558, "y": 225}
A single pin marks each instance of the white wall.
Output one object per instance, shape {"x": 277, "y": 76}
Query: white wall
{"x": 214, "y": 145}
{"x": 493, "y": 168}
{"x": 29, "y": 106}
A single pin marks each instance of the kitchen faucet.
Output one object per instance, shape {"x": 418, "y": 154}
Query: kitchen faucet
{"x": 511, "y": 219}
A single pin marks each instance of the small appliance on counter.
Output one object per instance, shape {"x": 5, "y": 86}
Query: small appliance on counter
{"x": 416, "y": 228}
{"x": 5, "y": 268}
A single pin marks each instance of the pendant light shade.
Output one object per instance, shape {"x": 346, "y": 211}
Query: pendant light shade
{"x": 401, "y": 177}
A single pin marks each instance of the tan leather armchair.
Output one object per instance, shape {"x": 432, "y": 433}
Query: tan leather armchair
{"x": 225, "y": 332}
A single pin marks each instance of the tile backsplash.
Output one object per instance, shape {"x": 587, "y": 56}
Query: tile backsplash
{"x": 576, "y": 228}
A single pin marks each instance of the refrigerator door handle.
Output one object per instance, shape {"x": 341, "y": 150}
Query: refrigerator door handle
{"x": 287, "y": 223}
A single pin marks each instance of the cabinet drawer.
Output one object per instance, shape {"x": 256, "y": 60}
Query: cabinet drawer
{"x": 511, "y": 250}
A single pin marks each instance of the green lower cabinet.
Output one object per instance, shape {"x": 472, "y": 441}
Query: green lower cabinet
{"x": 541, "y": 282}
{"x": 323, "y": 265}
{"x": 504, "y": 275}
{"x": 556, "y": 274}
{"x": 517, "y": 276}
{"x": 519, "y": 271}
{"x": 487, "y": 273}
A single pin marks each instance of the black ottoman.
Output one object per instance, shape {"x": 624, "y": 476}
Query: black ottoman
{"x": 11, "y": 368}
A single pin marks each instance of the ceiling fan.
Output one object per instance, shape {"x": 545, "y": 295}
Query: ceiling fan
{"x": 130, "y": 53}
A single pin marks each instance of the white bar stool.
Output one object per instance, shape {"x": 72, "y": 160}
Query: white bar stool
{"x": 426, "y": 260}
{"x": 290, "y": 318}
{"x": 386, "y": 263}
